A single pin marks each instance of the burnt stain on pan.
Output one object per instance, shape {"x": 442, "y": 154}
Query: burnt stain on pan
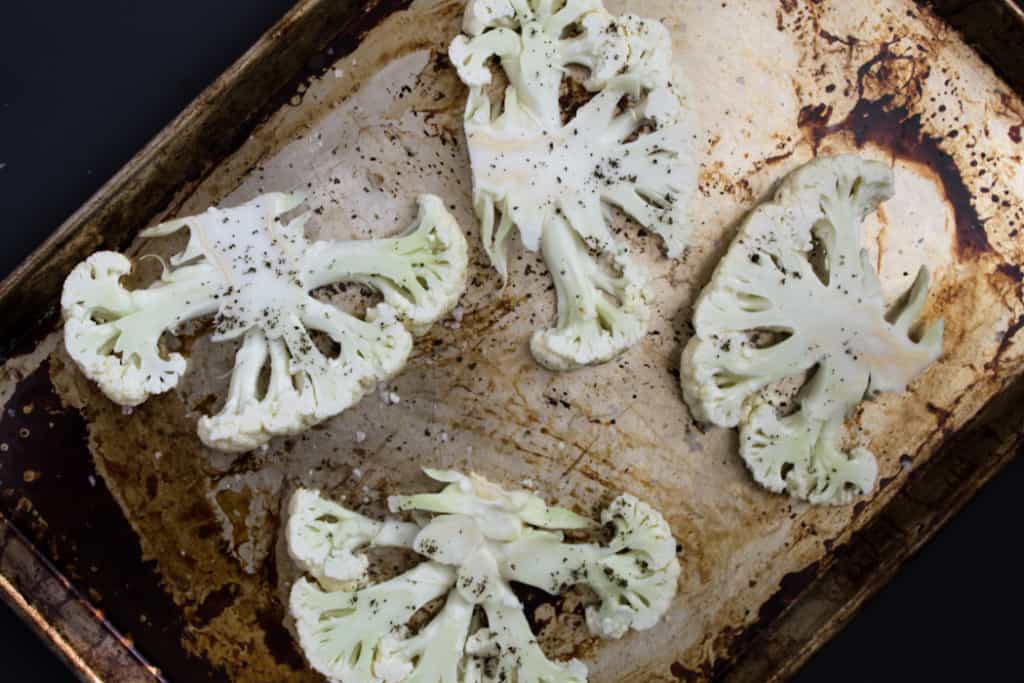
{"x": 681, "y": 673}
{"x": 1007, "y": 338}
{"x": 215, "y": 603}
{"x": 887, "y": 122}
{"x": 1012, "y": 275}
{"x": 737, "y": 640}
{"x": 277, "y": 638}
{"x": 1012, "y": 271}
{"x": 68, "y": 511}
{"x": 942, "y": 417}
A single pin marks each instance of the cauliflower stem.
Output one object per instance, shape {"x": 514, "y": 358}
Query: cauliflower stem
{"x": 598, "y": 314}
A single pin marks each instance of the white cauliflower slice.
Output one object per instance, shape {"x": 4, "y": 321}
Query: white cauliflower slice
{"x": 480, "y": 539}
{"x": 796, "y": 293}
{"x": 555, "y": 180}
{"x": 255, "y": 270}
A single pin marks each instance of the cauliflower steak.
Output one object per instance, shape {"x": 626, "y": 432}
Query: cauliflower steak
{"x": 796, "y": 293}
{"x": 477, "y": 539}
{"x": 555, "y": 180}
{"x": 255, "y": 270}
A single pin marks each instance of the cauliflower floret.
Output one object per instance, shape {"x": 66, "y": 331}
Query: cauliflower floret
{"x": 501, "y": 513}
{"x": 342, "y": 632}
{"x": 255, "y": 270}
{"x": 114, "y": 334}
{"x": 481, "y": 539}
{"x": 324, "y": 538}
{"x": 554, "y": 180}
{"x": 305, "y": 387}
{"x": 434, "y": 655}
{"x": 634, "y": 575}
{"x": 599, "y": 314}
{"x": 796, "y": 293}
{"x": 799, "y": 454}
{"x": 421, "y": 274}
{"x": 510, "y": 651}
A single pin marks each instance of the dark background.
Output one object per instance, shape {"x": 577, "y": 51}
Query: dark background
{"x": 84, "y": 85}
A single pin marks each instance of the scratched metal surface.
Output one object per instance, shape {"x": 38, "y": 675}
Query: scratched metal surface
{"x": 887, "y": 80}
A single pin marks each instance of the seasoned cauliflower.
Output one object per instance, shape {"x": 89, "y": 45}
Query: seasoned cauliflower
{"x": 481, "y": 539}
{"x": 554, "y": 180}
{"x": 255, "y": 270}
{"x": 794, "y": 294}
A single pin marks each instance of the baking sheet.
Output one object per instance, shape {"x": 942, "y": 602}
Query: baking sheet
{"x": 819, "y": 77}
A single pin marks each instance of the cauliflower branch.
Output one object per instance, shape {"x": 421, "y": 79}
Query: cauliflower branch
{"x": 255, "y": 270}
{"x": 435, "y": 654}
{"x": 343, "y": 632}
{"x": 555, "y": 180}
{"x": 114, "y": 334}
{"x": 634, "y": 575}
{"x": 796, "y": 294}
{"x": 324, "y": 537}
{"x": 479, "y": 540}
{"x": 510, "y": 651}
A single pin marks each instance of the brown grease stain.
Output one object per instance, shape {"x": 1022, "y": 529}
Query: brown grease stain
{"x": 887, "y": 122}
{"x": 681, "y": 673}
{"x": 1012, "y": 271}
{"x": 730, "y": 642}
{"x": 214, "y": 604}
{"x": 942, "y": 417}
{"x": 1015, "y": 326}
{"x": 277, "y": 638}
{"x": 71, "y": 515}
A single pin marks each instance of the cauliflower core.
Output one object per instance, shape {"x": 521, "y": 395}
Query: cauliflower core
{"x": 796, "y": 293}
{"x": 480, "y": 539}
{"x": 554, "y": 180}
{"x": 255, "y": 270}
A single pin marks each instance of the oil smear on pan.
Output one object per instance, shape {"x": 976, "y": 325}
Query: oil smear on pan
{"x": 383, "y": 124}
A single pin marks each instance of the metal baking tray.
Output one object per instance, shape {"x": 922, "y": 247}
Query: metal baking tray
{"x": 129, "y": 580}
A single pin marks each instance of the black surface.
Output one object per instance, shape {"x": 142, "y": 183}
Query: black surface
{"x": 950, "y": 614}
{"x": 23, "y": 657}
{"x": 83, "y": 85}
